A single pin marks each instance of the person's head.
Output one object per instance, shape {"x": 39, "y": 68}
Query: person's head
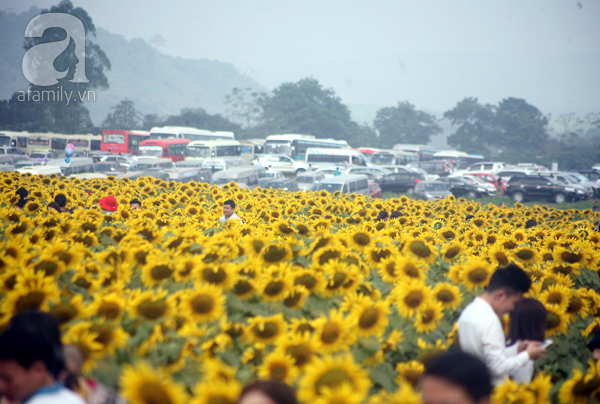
{"x": 594, "y": 346}
{"x": 61, "y": 199}
{"x": 109, "y": 203}
{"x": 53, "y": 207}
{"x": 530, "y": 223}
{"x": 383, "y": 215}
{"x": 22, "y": 193}
{"x": 268, "y": 392}
{"x": 395, "y": 214}
{"x": 527, "y": 321}
{"x": 228, "y": 207}
{"x": 506, "y": 288}
{"x": 455, "y": 377}
{"x": 31, "y": 355}
{"x": 135, "y": 204}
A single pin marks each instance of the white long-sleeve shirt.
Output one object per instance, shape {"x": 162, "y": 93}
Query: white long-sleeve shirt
{"x": 524, "y": 374}
{"x": 480, "y": 334}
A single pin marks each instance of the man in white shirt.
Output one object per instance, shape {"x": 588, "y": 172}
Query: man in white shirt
{"x": 229, "y": 212}
{"x": 31, "y": 358}
{"x": 480, "y": 330}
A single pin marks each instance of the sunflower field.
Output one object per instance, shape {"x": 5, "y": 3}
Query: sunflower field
{"x": 169, "y": 305}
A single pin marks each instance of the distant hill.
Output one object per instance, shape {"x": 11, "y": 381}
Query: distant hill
{"x": 157, "y": 83}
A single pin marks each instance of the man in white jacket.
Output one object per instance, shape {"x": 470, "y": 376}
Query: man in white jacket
{"x": 480, "y": 331}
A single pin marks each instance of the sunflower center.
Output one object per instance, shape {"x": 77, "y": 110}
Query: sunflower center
{"x": 445, "y": 296}
{"x": 414, "y": 299}
{"x": 161, "y": 272}
{"x": 305, "y": 328}
{"x": 31, "y": 301}
{"x": 269, "y": 330}
{"x": 151, "y": 393}
{"x": 300, "y": 353}
{"x": 525, "y": 255}
{"x": 331, "y": 333}
{"x": 574, "y": 305}
{"x": 420, "y": 249}
{"x": 274, "y": 288}
{"x": 308, "y": 281}
{"x": 452, "y": 252}
{"x": 427, "y": 316}
{"x": 555, "y": 298}
{"x": 337, "y": 281}
{"x": 362, "y": 239}
{"x": 48, "y": 267}
{"x": 334, "y": 378}
{"x": 110, "y": 310}
{"x": 152, "y": 309}
{"x": 478, "y": 275}
{"x": 329, "y": 255}
{"x": 369, "y": 318}
{"x": 293, "y": 299}
{"x": 570, "y": 257}
{"x": 64, "y": 313}
{"x": 241, "y": 288}
{"x": 105, "y": 334}
{"x": 412, "y": 271}
{"x": 211, "y": 276}
{"x": 202, "y": 304}
{"x": 552, "y": 320}
{"x": 274, "y": 253}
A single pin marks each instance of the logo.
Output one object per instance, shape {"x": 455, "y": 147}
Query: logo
{"x": 38, "y": 62}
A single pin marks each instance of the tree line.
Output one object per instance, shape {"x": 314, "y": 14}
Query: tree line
{"x": 511, "y": 131}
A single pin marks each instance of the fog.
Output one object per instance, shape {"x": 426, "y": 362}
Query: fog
{"x": 376, "y": 53}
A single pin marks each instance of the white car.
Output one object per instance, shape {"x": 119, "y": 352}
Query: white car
{"x": 285, "y": 164}
{"x": 125, "y": 161}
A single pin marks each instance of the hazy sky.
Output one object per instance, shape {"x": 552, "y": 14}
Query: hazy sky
{"x": 432, "y": 53}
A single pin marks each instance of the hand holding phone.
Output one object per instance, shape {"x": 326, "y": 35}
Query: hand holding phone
{"x": 546, "y": 343}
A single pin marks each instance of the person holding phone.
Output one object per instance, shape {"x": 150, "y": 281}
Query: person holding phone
{"x": 527, "y": 323}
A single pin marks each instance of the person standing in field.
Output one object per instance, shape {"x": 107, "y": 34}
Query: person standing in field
{"x": 229, "y": 212}
{"x": 480, "y": 330}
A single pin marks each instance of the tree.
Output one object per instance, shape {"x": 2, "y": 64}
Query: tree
{"x": 404, "y": 124}
{"x": 476, "y": 126}
{"x": 151, "y": 120}
{"x": 306, "y": 107}
{"x": 522, "y": 130}
{"x": 244, "y": 106}
{"x": 123, "y": 116}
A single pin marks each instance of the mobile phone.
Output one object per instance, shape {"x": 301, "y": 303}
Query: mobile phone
{"x": 546, "y": 343}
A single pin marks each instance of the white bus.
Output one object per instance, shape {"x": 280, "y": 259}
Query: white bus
{"x": 295, "y": 145}
{"x": 393, "y": 158}
{"x": 184, "y": 132}
{"x": 335, "y": 157}
{"x": 206, "y": 149}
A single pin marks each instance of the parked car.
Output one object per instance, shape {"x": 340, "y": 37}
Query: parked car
{"x": 536, "y": 187}
{"x": 376, "y": 172}
{"x": 270, "y": 175}
{"x": 401, "y": 182}
{"x": 375, "y": 190}
{"x": 490, "y": 188}
{"x": 16, "y": 154}
{"x": 459, "y": 186}
{"x": 308, "y": 179}
{"x": 437, "y": 167}
{"x": 125, "y": 161}
{"x": 28, "y": 163}
{"x": 285, "y": 164}
{"x": 109, "y": 167}
{"x": 489, "y": 178}
{"x": 583, "y": 192}
{"x": 396, "y": 169}
{"x": 431, "y": 190}
{"x": 43, "y": 156}
{"x": 508, "y": 172}
{"x": 346, "y": 184}
{"x": 287, "y": 184}
{"x": 491, "y": 167}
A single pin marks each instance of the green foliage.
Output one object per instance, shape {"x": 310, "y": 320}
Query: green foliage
{"x": 475, "y": 123}
{"x": 404, "y": 124}
{"x": 123, "y": 116}
{"x": 244, "y": 106}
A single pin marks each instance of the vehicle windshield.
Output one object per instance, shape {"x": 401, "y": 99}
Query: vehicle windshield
{"x": 214, "y": 167}
{"x": 277, "y": 148}
{"x": 435, "y": 187}
{"x": 305, "y": 180}
{"x": 222, "y": 181}
{"x": 114, "y": 138}
{"x": 37, "y": 155}
{"x": 382, "y": 159}
{"x": 5, "y": 141}
{"x": 329, "y": 187}
{"x": 155, "y": 151}
{"x": 158, "y": 136}
{"x": 198, "y": 151}
{"x": 579, "y": 177}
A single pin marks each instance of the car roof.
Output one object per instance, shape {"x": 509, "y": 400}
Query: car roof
{"x": 340, "y": 179}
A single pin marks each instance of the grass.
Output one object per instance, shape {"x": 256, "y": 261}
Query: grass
{"x": 581, "y": 205}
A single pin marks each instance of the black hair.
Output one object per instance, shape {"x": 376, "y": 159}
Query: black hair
{"x": 382, "y": 215}
{"x": 134, "y": 200}
{"x": 54, "y": 205}
{"x": 230, "y": 202}
{"x": 463, "y": 370}
{"x": 61, "y": 199}
{"x": 395, "y": 214}
{"x": 33, "y": 336}
{"x": 527, "y": 321}
{"x": 22, "y": 193}
{"x": 278, "y": 392}
{"x": 530, "y": 223}
{"x": 511, "y": 278}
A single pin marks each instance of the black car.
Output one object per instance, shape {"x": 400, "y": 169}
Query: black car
{"x": 401, "y": 182}
{"x": 539, "y": 188}
{"x": 461, "y": 187}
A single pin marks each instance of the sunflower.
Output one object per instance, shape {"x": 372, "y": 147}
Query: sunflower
{"x": 428, "y": 316}
{"x": 301, "y": 326}
{"x": 452, "y": 251}
{"x": 396, "y": 268}
{"x": 343, "y": 394}
{"x": 448, "y": 295}
{"x": 369, "y": 318}
{"x": 223, "y": 275}
{"x": 141, "y": 384}
{"x": 557, "y": 296}
{"x": 313, "y": 281}
{"x": 409, "y": 372}
{"x": 510, "y": 391}
{"x": 202, "y": 303}
{"x": 405, "y": 394}
{"x": 296, "y": 297}
{"x": 69, "y": 309}
{"x": 525, "y": 255}
{"x": 300, "y": 347}
{"x": 420, "y": 249}
{"x": 152, "y": 305}
{"x": 328, "y": 374}
{"x": 475, "y": 273}
{"x": 410, "y": 296}
{"x": 31, "y": 291}
{"x": 498, "y": 256}
{"x": 332, "y": 333}
{"x": 217, "y": 391}
{"x": 275, "y": 283}
{"x": 339, "y": 276}
{"x": 556, "y": 321}
{"x": 577, "y": 390}
{"x": 266, "y": 329}
{"x": 278, "y": 366}
{"x": 110, "y": 335}
{"x": 276, "y": 253}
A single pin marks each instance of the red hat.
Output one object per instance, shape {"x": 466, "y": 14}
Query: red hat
{"x": 109, "y": 203}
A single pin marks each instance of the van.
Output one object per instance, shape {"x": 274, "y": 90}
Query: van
{"x": 346, "y": 184}
{"x": 40, "y": 170}
{"x": 153, "y": 163}
{"x": 187, "y": 174}
{"x": 308, "y": 179}
{"x": 223, "y": 164}
{"x": 245, "y": 176}
{"x": 77, "y": 165}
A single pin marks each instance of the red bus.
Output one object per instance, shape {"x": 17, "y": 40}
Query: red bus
{"x": 174, "y": 149}
{"x": 123, "y": 141}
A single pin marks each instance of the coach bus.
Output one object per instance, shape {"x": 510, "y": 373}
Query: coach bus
{"x": 296, "y": 145}
{"x": 393, "y": 158}
{"x": 421, "y": 151}
{"x": 335, "y": 157}
{"x": 123, "y": 141}
{"x": 174, "y": 149}
{"x": 183, "y": 132}
{"x": 205, "y": 149}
